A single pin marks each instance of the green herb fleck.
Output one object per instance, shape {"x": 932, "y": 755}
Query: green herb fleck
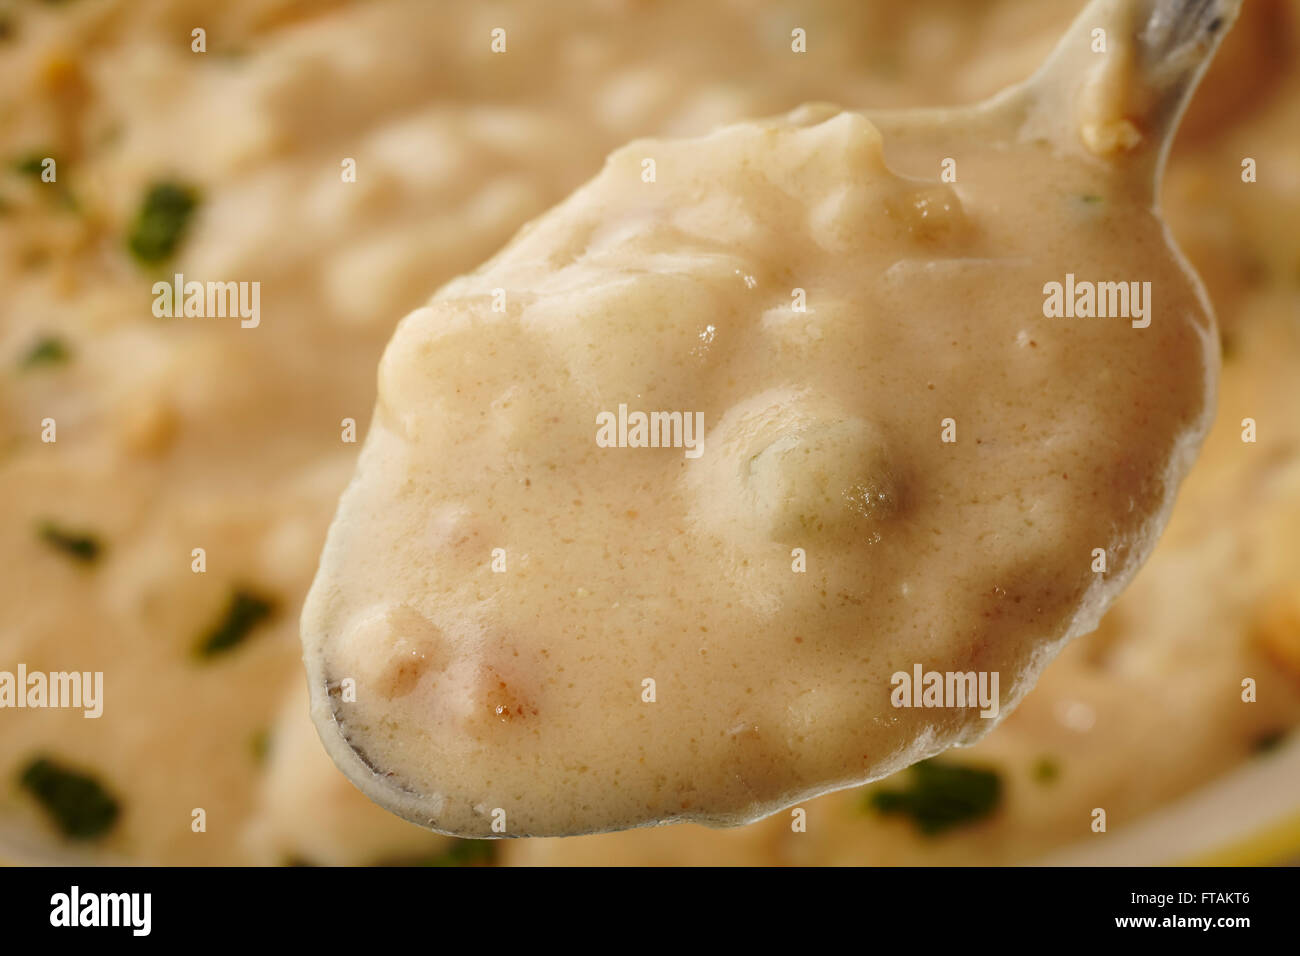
{"x": 32, "y": 164}
{"x": 1227, "y": 346}
{"x": 245, "y": 611}
{"x": 941, "y": 796}
{"x": 260, "y": 745}
{"x": 1045, "y": 770}
{"x": 79, "y": 545}
{"x": 468, "y": 853}
{"x": 161, "y": 222}
{"x": 47, "y": 350}
{"x": 1090, "y": 198}
{"x": 81, "y": 808}
{"x": 1270, "y": 741}
{"x": 460, "y": 853}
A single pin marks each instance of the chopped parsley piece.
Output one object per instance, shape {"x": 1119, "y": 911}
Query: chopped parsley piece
{"x": 81, "y": 808}
{"x": 48, "y": 350}
{"x": 32, "y": 165}
{"x": 1046, "y": 770}
{"x": 161, "y": 222}
{"x": 79, "y": 545}
{"x": 1227, "y": 345}
{"x": 245, "y": 611}
{"x": 260, "y": 744}
{"x": 941, "y": 796}
{"x": 1090, "y": 198}
{"x": 460, "y": 853}
{"x": 1268, "y": 742}
{"x": 468, "y": 853}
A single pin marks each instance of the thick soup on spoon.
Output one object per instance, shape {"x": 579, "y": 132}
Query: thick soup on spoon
{"x": 772, "y": 461}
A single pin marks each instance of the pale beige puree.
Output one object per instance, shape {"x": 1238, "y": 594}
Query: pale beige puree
{"x": 460, "y": 694}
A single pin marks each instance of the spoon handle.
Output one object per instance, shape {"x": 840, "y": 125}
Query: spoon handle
{"x": 1175, "y": 45}
{"x": 1118, "y": 82}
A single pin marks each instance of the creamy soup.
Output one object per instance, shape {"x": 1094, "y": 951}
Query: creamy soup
{"x": 183, "y": 433}
{"x": 893, "y": 434}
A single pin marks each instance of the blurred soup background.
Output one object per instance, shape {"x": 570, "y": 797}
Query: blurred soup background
{"x": 179, "y": 435}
